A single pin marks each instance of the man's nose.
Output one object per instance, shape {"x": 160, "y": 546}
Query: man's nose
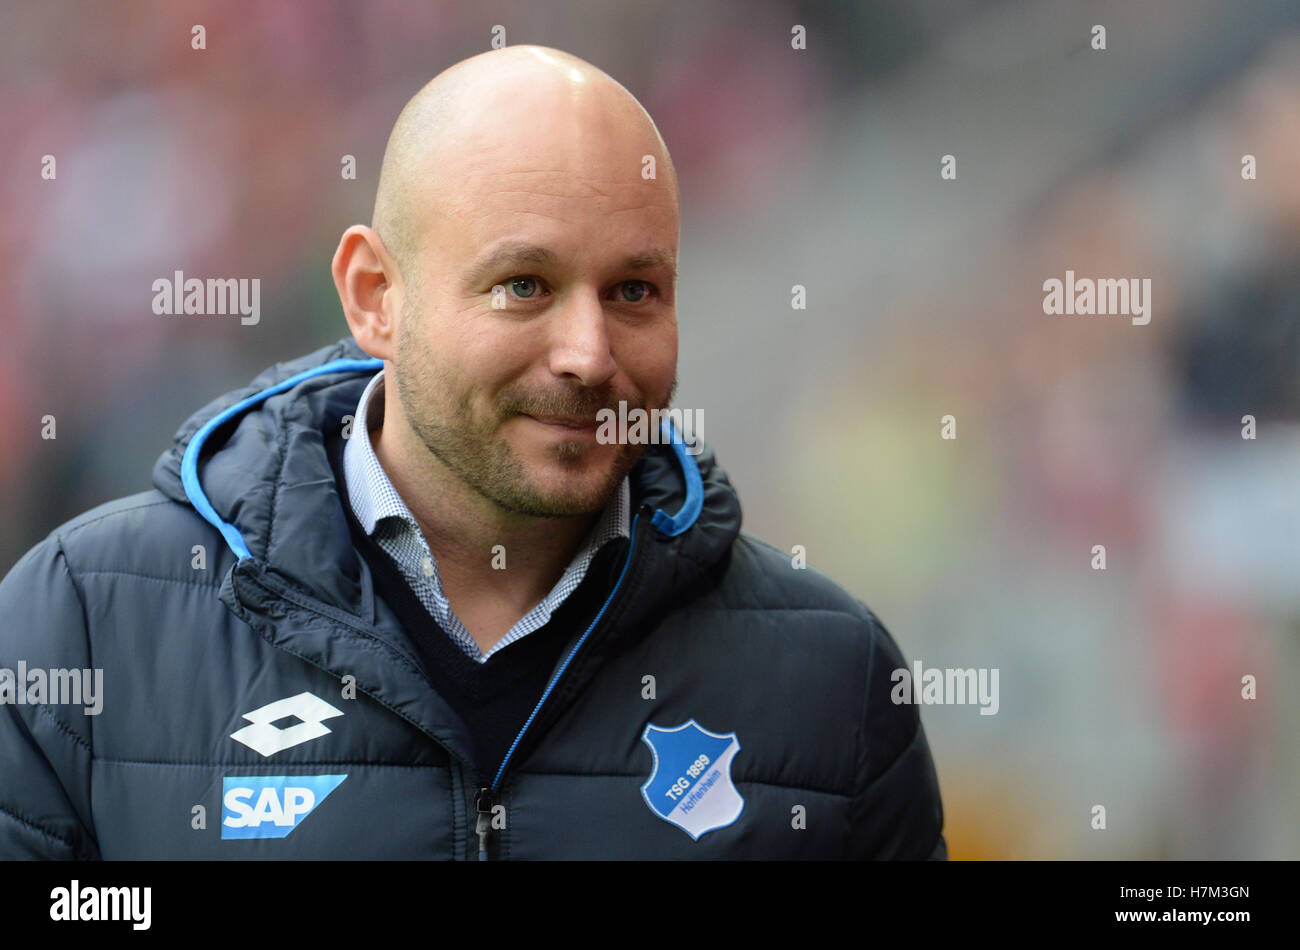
{"x": 579, "y": 340}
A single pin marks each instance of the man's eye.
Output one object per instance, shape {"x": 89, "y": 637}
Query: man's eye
{"x": 634, "y": 291}
{"x": 523, "y": 286}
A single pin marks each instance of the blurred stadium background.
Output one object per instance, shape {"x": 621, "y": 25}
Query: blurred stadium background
{"x": 820, "y": 168}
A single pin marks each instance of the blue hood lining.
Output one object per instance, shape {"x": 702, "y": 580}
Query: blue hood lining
{"x": 694, "y": 504}
{"x": 190, "y": 462}
{"x": 671, "y": 525}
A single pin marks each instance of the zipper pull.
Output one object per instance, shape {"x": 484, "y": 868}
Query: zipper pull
{"x": 483, "y": 803}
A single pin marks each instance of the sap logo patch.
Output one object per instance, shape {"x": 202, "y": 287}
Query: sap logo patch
{"x": 271, "y": 806}
{"x": 690, "y": 784}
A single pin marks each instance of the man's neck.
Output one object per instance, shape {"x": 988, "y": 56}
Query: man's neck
{"x": 463, "y": 530}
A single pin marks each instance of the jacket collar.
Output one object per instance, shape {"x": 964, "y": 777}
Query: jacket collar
{"x": 255, "y": 462}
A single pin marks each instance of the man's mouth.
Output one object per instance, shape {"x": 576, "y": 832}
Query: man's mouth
{"x": 575, "y": 423}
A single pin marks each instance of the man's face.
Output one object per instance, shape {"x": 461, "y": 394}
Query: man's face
{"x": 577, "y": 252}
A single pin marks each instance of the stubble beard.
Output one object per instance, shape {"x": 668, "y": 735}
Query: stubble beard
{"x": 440, "y": 412}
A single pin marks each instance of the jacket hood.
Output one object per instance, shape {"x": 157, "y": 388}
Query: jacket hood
{"x": 256, "y": 464}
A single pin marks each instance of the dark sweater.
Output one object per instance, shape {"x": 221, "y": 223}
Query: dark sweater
{"x": 493, "y": 698}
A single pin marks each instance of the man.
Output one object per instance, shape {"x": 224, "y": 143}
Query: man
{"x": 417, "y": 606}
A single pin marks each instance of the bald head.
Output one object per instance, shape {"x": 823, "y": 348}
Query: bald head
{"x": 501, "y": 113}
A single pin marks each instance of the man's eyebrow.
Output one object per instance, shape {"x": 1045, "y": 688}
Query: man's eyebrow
{"x": 510, "y": 253}
{"x": 658, "y": 257}
{"x": 514, "y": 253}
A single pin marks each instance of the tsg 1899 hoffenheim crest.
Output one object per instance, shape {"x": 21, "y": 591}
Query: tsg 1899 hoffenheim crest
{"x": 690, "y": 784}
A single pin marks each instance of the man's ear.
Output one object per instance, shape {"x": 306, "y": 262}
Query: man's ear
{"x": 368, "y": 283}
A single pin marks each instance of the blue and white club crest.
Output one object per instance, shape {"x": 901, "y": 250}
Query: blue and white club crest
{"x": 690, "y": 784}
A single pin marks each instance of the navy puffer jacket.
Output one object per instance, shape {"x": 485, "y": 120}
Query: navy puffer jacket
{"x": 258, "y": 700}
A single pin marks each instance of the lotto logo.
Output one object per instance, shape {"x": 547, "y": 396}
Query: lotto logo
{"x": 271, "y": 806}
{"x": 266, "y": 738}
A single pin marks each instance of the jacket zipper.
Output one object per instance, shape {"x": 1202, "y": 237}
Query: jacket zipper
{"x": 486, "y": 798}
{"x": 483, "y": 802}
